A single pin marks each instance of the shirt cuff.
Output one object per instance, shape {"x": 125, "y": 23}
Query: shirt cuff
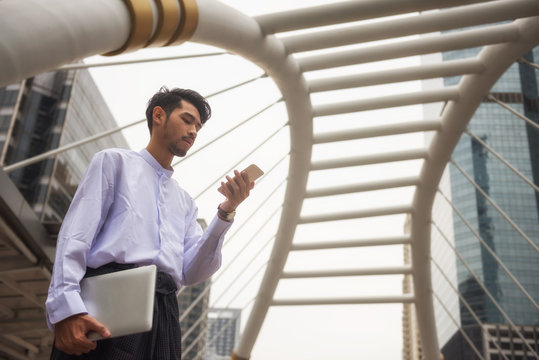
{"x": 219, "y": 226}
{"x": 63, "y": 306}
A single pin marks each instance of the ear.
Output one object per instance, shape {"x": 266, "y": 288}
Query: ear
{"x": 159, "y": 115}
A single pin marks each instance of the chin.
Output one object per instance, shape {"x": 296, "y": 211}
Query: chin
{"x": 178, "y": 152}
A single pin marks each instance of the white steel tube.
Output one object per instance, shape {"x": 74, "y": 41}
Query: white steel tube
{"x": 39, "y": 36}
{"x": 339, "y": 244}
{"x": 405, "y": 99}
{"x": 428, "y": 44}
{"x": 361, "y": 187}
{"x": 341, "y": 12}
{"x": 455, "y": 118}
{"x": 388, "y": 299}
{"x": 421, "y": 72}
{"x": 388, "y": 270}
{"x": 380, "y": 130}
{"x": 413, "y": 154}
{"x": 373, "y": 212}
{"x": 448, "y": 19}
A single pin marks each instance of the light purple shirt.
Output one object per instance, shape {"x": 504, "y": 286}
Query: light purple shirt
{"x": 128, "y": 209}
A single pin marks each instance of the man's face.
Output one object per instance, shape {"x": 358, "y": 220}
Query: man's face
{"x": 181, "y": 128}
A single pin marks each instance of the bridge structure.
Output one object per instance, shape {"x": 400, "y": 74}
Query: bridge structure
{"x": 291, "y": 47}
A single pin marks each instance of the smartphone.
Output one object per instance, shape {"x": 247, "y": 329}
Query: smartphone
{"x": 253, "y": 172}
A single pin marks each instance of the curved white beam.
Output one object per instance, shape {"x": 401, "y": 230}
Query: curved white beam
{"x": 225, "y": 27}
{"x": 56, "y": 32}
{"x": 474, "y": 88}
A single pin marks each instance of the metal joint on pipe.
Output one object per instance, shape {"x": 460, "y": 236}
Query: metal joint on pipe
{"x": 141, "y": 17}
{"x": 168, "y": 12}
{"x": 188, "y": 22}
{"x": 173, "y": 23}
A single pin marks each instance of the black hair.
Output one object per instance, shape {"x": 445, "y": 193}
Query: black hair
{"x": 172, "y": 99}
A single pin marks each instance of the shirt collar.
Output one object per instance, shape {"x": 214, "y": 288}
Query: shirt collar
{"x": 155, "y": 164}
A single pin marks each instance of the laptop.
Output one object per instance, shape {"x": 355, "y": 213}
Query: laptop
{"x": 122, "y": 300}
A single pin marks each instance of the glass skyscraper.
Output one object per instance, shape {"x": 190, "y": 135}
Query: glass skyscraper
{"x": 518, "y": 143}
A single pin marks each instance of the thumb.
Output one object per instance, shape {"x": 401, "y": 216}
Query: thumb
{"x": 94, "y": 325}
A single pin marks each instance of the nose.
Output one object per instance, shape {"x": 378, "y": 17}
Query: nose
{"x": 193, "y": 132}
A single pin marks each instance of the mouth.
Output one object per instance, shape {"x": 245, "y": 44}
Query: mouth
{"x": 189, "y": 141}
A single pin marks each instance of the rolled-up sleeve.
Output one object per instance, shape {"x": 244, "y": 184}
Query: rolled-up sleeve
{"x": 81, "y": 224}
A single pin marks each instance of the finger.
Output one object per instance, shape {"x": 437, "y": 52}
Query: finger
{"x": 246, "y": 185}
{"x": 81, "y": 344}
{"x": 232, "y": 185}
{"x": 245, "y": 177}
{"x": 241, "y": 182}
{"x": 94, "y": 325}
{"x": 228, "y": 191}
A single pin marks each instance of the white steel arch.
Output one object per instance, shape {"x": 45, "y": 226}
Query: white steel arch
{"x": 86, "y": 27}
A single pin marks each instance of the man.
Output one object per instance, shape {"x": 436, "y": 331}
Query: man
{"x": 128, "y": 212}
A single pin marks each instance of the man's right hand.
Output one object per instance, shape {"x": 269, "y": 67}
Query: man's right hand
{"x": 70, "y": 334}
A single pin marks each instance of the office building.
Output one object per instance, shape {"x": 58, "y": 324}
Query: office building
{"x": 42, "y": 113}
{"x": 223, "y": 333}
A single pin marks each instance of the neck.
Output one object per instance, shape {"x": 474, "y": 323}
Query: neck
{"x": 163, "y": 156}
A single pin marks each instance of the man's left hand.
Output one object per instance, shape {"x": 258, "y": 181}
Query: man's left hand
{"x": 236, "y": 190}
